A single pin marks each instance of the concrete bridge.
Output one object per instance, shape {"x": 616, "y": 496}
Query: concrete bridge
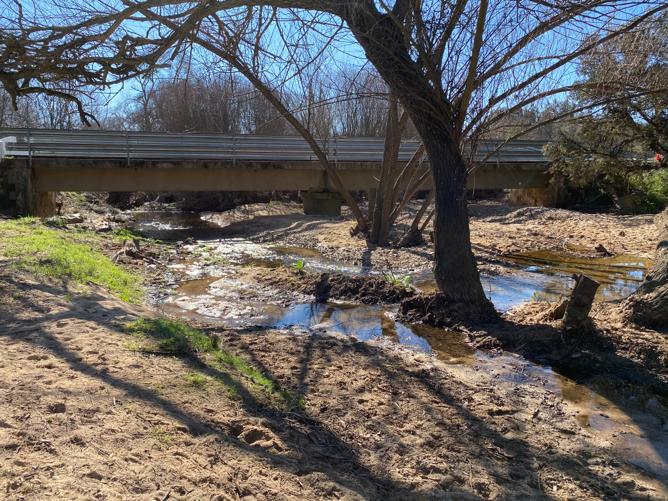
{"x": 36, "y": 163}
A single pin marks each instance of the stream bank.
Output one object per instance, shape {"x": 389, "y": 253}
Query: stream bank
{"x": 391, "y": 410}
{"x": 237, "y": 278}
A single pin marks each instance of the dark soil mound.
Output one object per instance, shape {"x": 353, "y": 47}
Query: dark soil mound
{"x": 365, "y": 289}
{"x": 438, "y": 311}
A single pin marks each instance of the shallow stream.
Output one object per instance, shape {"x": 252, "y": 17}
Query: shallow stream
{"x": 214, "y": 291}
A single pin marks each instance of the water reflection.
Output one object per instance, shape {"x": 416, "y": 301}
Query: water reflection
{"x": 542, "y": 275}
{"x": 547, "y": 276}
{"x": 171, "y": 226}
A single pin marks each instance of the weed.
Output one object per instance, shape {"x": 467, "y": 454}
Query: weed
{"x": 161, "y": 435}
{"x": 66, "y": 255}
{"x": 176, "y": 338}
{"x": 299, "y": 266}
{"x": 172, "y": 337}
{"x": 196, "y": 379}
{"x": 397, "y": 280}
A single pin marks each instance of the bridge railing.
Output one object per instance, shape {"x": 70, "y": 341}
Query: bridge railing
{"x": 102, "y": 144}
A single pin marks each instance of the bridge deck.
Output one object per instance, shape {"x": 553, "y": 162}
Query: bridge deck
{"x": 100, "y": 144}
{"x": 96, "y": 160}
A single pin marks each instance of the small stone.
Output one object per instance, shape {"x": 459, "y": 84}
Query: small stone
{"x": 447, "y": 481}
{"x": 72, "y": 218}
{"x": 94, "y": 475}
{"x": 653, "y": 405}
{"x": 57, "y": 408}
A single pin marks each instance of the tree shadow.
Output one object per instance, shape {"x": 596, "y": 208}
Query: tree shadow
{"x": 583, "y": 357}
{"x": 342, "y": 467}
{"x": 315, "y": 446}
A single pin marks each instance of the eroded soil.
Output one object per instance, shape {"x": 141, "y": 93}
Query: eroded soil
{"x": 85, "y": 416}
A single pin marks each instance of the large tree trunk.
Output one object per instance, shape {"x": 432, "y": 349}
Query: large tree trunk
{"x": 455, "y": 270}
{"x": 434, "y": 117}
{"x": 649, "y": 305}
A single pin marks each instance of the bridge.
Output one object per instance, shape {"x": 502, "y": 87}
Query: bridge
{"x": 38, "y": 162}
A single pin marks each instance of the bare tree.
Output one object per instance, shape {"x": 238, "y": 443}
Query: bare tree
{"x": 452, "y": 64}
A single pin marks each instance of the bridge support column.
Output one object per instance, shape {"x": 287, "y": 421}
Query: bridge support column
{"x": 43, "y": 204}
{"x": 16, "y": 187}
{"x": 322, "y": 203}
{"x": 17, "y": 191}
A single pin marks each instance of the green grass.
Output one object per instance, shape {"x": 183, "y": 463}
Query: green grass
{"x": 172, "y": 337}
{"x": 63, "y": 254}
{"x": 177, "y": 338}
{"x": 651, "y": 189}
{"x": 196, "y": 379}
{"x": 122, "y": 234}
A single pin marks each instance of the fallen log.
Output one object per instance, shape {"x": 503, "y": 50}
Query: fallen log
{"x": 648, "y": 306}
{"x": 131, "y": 249}
{"x": 576, "y": 315}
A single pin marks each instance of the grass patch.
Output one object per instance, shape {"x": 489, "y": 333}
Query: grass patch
{"x": 196, "y": 379}
{"x": 397, "y": 280}
{"x": 122, "y": 234}
{"x": 172, "y": 337}
{"x": 161, "y": 435}
{"x": 66, "y": 255}
{"x": 177, "y": 338}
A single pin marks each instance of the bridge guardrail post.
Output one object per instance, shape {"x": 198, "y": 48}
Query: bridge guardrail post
{"x": 127, "y": 147}
{"x": 29, "y": 137}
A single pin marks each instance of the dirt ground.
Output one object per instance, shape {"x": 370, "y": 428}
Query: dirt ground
{"x": 497, "y": 229}
{"x": 85, "y": 416}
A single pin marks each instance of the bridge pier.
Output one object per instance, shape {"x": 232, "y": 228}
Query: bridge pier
{"x": 18, "y": 193}
{"x": 43, "y": 204}
{"x": 322, "y": 203}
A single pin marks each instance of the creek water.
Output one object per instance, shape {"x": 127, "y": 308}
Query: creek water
{"x": 215, "y": 292}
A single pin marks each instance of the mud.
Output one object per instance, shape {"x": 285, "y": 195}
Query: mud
{"x": 371, "y": 289}
{"x": 392, "y": 408}
{"x": 87, "y": 417}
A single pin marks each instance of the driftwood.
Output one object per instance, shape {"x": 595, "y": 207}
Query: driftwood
{"x": 576, "y": 314}
{"x": 649, "y": 304}
{"x": 131, "y": 249}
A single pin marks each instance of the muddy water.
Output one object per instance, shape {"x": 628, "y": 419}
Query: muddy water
{"x": 217, "y": 293}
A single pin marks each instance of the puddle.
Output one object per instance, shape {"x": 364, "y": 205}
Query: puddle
{"x": 639, "y": 436}
{"x": 638, "y": 431}
{"x": 619, "y": 275}
{"x": 547, "y": 276}
{"x": 172, "y": 226}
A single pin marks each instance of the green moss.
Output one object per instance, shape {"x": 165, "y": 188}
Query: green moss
{"x": 68, "y": 255}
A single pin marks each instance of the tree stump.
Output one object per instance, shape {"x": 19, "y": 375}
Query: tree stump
{"x": 579, "y": 304}
{"x": 648, "y": 306}
{"x": 322, "y": 289}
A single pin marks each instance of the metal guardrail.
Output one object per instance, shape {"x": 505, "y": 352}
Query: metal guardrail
{"x": 102, "y": 144}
